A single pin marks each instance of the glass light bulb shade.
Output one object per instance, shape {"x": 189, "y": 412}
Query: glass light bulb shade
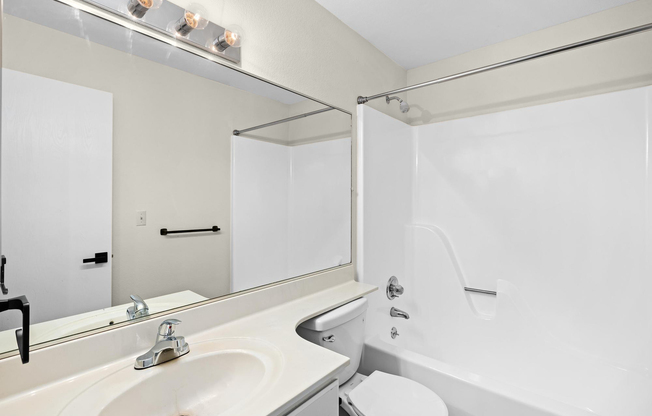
{"x": 151, "y": 4}
{"x": 195, "y": 20}
{"x": 233, "y": 38}
{"x": 138, "y": 8}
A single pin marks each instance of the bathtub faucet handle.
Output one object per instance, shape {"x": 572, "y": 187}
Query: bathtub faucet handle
{"x": 394, "y": 289}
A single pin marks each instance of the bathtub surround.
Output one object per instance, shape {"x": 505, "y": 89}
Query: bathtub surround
{"x": 291, "y": 208}
{"x": 548, "y": 206}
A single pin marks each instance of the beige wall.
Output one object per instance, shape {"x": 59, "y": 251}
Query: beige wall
{"x": 330, "y": 125}
{"x": 610, "y": 66}
{"x": 169, "y": 159}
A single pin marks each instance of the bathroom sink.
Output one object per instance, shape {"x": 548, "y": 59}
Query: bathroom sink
{"x": 218, "y": 377}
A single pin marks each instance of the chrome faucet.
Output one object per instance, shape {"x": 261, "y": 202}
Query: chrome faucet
{"x": 168, "y": 346}
{"x": 393, "y": 290}
{"x": 397, "y": 313}
{"x": 139, "y": 309}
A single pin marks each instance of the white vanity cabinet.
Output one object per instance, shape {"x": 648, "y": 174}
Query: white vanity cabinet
{"x": 324, "y": 403}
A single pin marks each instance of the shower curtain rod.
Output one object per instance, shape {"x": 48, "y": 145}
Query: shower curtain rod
{"x": 285, "y": 120}
{"x": 586, "y": 42}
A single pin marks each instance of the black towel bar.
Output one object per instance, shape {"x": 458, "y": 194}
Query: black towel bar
{"x": 165, "y": 231}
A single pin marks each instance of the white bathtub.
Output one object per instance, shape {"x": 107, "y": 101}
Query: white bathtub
{"x": 465, "y": 393}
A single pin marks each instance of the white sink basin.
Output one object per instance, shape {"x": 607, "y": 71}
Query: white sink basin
{"x": 219, "y": 377}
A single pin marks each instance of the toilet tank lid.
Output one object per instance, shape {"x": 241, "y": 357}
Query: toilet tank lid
{"x": 337, "y": 316}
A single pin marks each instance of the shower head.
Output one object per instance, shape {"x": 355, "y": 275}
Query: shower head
{"x": 404, "y": 106}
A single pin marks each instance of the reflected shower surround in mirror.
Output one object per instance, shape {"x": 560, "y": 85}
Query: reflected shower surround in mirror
{"x": 308, "y": 226}
{"x": 189, "y": 25}
{"x": 151, "y": 166}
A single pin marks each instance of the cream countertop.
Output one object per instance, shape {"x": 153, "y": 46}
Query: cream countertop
{"x": 306, "y": 366}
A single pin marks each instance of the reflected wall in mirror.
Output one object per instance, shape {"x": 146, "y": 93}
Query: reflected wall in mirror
{"x": 110, "y": 136}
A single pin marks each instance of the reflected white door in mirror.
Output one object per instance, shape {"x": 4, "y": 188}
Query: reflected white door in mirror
{"x": 56, "y": 196}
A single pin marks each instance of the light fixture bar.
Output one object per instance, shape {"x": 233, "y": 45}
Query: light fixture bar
{"x": 164, "y": 19}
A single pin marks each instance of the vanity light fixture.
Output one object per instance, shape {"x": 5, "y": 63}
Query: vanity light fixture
{"x": 138, "y": 8}
{"x": 190, "y": 21}
{"x": 231, "y": 38}
{"x": 180, "y": 25}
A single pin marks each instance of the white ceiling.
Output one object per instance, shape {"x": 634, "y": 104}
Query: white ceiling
{"x": 419, "y": 32}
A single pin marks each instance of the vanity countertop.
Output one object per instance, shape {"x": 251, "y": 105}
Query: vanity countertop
{"x": 306, "y": 366}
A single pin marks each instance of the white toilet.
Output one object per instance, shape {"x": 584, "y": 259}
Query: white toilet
{"x": 381, "y": 394}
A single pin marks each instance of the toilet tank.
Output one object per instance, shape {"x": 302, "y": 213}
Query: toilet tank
{"x": 340, "y": 330}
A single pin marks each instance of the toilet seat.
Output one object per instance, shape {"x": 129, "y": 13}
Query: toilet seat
{"x": 383, "y": 394}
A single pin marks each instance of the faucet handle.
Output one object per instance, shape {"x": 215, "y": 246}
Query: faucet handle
{"x": 139, "y": 309}
{"x": 137, "y": 299}
{"x": 168, "y": 328}
{"x": 139, "y": 303}
{"x": 394, "y": 289}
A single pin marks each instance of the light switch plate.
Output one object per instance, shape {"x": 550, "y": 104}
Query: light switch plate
{"x": 141, "y": 218}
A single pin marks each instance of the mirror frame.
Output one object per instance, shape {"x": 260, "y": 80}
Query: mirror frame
{"x": 131, "y": 25}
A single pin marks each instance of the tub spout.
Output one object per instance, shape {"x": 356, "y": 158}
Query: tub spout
{"x": 397, "y": 313}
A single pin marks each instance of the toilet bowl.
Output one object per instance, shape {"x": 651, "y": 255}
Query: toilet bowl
{"x": 380, "y": 394}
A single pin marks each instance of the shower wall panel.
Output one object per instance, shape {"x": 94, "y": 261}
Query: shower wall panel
{"x": 291, "y": 212}
{"x": 551, "y": 199}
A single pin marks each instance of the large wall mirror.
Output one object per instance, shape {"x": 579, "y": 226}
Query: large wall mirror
{"x": 125, "y": 191}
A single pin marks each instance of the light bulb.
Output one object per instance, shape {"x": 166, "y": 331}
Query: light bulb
{"x": 138, "y": 8}
{"x": 231, "y": 38}
{"x": 189, "y": 22}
